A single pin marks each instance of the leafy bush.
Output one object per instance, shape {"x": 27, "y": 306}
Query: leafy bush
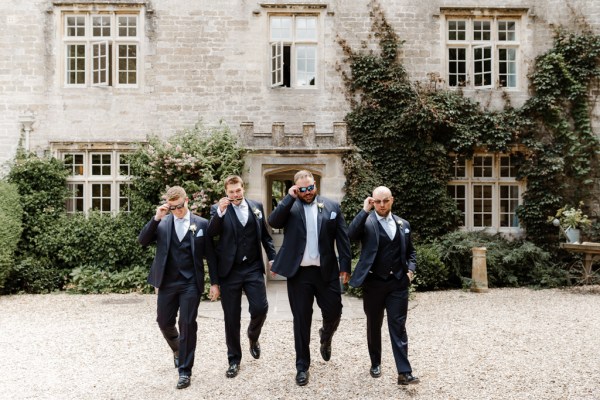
{"x": 432, "y": 273}
{"x": 33, "y": 274}
{"x": 196, "y": 159}
{"x": 11, "y": 214}
{"x": 96, "y": 279}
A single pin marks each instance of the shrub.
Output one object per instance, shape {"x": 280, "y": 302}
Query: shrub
{"x": 11, "y": 214}
{"x": 35, "y": 274}
{"x": 96, "y": 279}
{"x": 432, "y": 273}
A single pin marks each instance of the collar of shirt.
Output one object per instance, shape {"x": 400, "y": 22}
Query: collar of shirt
{"x": 241, "y": 206}
{"x": 186, "y": 217}
{"x": 388, "y": 218}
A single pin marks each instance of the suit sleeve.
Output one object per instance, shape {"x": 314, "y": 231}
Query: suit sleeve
{"x": 211, "y": 260}
{"x": 148, "y": 233}
{"x": 215, "y": 226}
{"x": 342, "y": 243}
{"x": 411, "y": 253}
{"x": 267, "y": 240}
{"x": 279, "y": 216}
{"x": 357, "y": 226}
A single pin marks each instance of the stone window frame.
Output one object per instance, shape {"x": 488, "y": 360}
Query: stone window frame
{"x": 105, "y": 56}
{"x": 493, "y": 56}
{"x": 486, "y": 191}
{"x": 94, "y": 183}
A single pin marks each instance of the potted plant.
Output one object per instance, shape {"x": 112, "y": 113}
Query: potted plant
{"x": 571, "y": 220}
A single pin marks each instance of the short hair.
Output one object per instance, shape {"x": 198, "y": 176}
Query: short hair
{"x": 175, "y": 193}
{"x": 303, "y": 174}
{"x": 233, "y": 180}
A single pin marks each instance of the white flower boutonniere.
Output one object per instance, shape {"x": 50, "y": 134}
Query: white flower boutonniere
{"x": 400, "y": 224}
{"x": 320, "y": 206}
{"x": 257, "y": 212}
{"x": 193, "y": 228}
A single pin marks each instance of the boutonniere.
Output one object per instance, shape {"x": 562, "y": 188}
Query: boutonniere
{"x": 257, "y": 212}
{"x": 193, "y": 228}
{"x": 320, "y": 206}
{"x": 400, "y": 224}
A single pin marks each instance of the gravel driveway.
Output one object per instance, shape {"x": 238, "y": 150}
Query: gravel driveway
{"x": 504, "y": 344}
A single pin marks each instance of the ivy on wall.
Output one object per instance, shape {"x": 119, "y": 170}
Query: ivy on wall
{"x": 405, "y": 132}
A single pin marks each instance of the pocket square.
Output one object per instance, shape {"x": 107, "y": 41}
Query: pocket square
{"x": 333, "y": 215}
{"x": 406, "y": 230}
{"x": 200, "y": 233}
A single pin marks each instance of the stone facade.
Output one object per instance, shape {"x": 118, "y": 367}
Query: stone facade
{"x": 210, "y": 60}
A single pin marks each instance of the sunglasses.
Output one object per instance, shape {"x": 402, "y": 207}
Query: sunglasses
{"x": 384, "y": 201}
{"x": 306, "y": 189}
{"x": 177, "y": 207}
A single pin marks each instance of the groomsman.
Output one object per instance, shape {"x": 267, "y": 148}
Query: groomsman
{"x": 239, "y": 224}
{"x": 313, "y": 226}
{"x": 385, "y": 270}
{"x": 178, "y": 274}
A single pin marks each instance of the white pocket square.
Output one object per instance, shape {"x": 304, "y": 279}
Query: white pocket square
{"x": 406, "y": 230}
{"x": 333, "y": 215}
{"x": 200, "y": 233}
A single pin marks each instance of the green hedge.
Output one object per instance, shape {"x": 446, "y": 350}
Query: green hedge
{"x": 11, "y": 214}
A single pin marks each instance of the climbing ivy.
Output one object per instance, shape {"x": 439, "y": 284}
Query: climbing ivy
{"x": 405, "y": 132}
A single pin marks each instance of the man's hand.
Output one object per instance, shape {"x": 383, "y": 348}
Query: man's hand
{"x": 223, "y": 203}
{"x": 214, "y": 292}
{"x": 345, "y": 277}
{"x": 368, "y": 204}
{"x": 161, "y": 211}
{"x": 293, "y": 191}
{"x": 411, "y": 275}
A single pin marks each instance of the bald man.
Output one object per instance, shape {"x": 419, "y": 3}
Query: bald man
{"x": 385, "y": 270}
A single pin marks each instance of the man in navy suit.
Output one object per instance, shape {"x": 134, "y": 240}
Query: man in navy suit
{"x": 385, "y": 270}
{"x": 240, "y": 225}
{"x": 312, "y": 225}
{"x": 178, "y": 273}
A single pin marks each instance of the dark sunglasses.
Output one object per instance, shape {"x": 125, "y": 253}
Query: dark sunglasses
{"x": 306, "y": 189}
{"x": 177, "y": 207}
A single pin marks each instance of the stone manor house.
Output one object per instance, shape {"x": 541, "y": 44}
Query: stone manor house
{"x": 85, "y": 79}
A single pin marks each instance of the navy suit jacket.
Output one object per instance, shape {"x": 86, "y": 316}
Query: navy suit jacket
{"x": 161, "y": 231}
{"x": 331, "y": 228}
{"x": 224, "y": 227}
{"x": 365, "y": 227}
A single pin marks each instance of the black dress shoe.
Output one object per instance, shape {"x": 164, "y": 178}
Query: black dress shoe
{"x": 233, "y": 370}
{"x": 176, "y": 359}
{"x": 183, "y": 382}
{"x": 407, "y": 379}
{"x": 375, "y": 371}
{"x": 255, "y": 349}
{"x": 325, "y": 347}
{"x": 302, "y": 378}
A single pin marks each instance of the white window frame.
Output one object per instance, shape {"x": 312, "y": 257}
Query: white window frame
{"x": 88, "y": 179}
{"x": 277, "y": 47}
{"x": 500, "y": 39}
{"x": 472, "y": 180}
{"x": 98, "y": 61}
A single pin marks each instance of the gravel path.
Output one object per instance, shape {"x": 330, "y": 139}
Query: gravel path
{"x": 505, "y": 344}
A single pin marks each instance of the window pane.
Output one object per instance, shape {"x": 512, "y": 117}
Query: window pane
{"x": 507, "y": 65}
{"x": 75, "y": 25}
{"x": 507, "y": 30}
{"x": 305, "y": 65}
{"x": 457, "y": 65}
{"x": 281, "y": 28}
{"x": 483, "y": 166}
{"x": 75, "y": 199}
{"x": 101, "y": 25}
{"x": 74, "y": 163}
{"x": 76, "y": 64}
{"x": 458, "y": 167}
{"x": 482, "y": 205}
{"x": 127, "y": 26}
{"x": 482, "y": 30}
{"x": 127, "y": 63}
{"x": 101, "y": 164}
{"x": 101, "y": 196}
{"x": 482, "y": 60}
{"x": 509, "y": 200}
{"x": 306, "y": 28}
{"x": 457, "y": 192}
{"x": 457, "y": 30}
{"x": 124, "y": 197}
{"x": 507, "y": 168}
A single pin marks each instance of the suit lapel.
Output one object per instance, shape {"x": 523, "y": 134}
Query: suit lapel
{"x": 320, "y": 215}
{"x": 232, "y": 219}
{"x": 170, "y": 222}
{"x": 375, "y": 226}
{"x": 400, "y": 231}
{"x": 192, "y": 234}
{"x": 300, "y": 209}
